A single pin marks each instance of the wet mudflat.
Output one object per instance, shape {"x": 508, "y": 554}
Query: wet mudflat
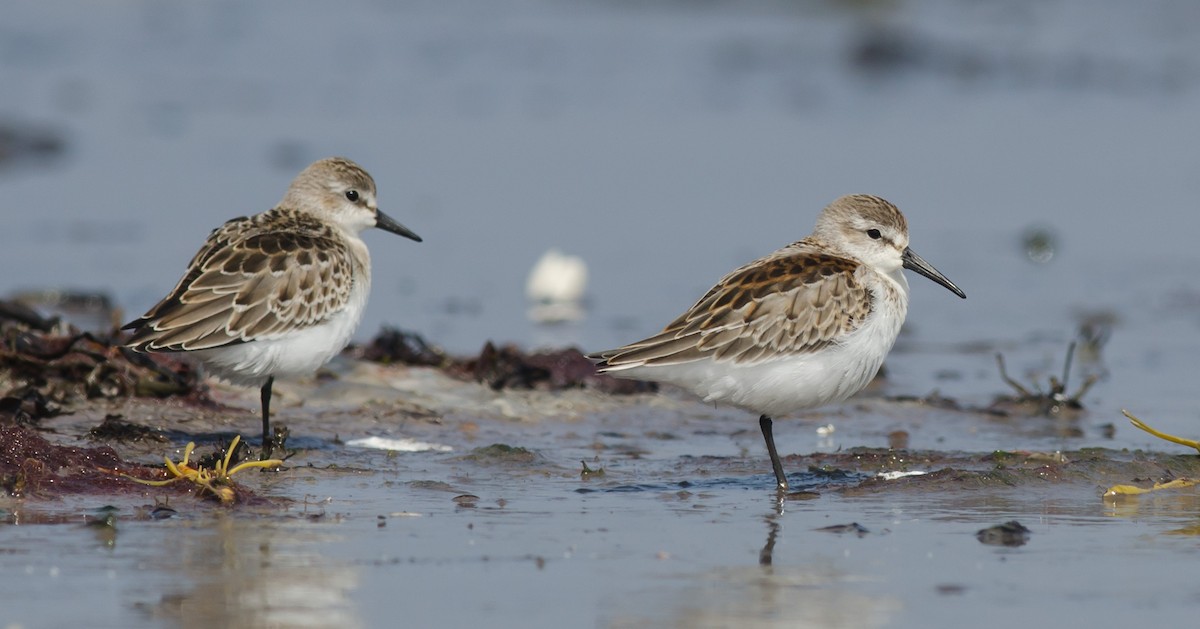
{"x": 578, "y": 507}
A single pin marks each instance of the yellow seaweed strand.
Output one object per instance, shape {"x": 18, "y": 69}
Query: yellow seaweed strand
{"x": 215, "y": 481}
{"x": 1161, "y": 435}
{"x": 1129, "y": 490}
{"x": 1118, "y": 491}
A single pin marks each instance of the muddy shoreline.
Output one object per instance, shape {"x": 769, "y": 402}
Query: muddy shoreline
{"x": 76, "y": 400}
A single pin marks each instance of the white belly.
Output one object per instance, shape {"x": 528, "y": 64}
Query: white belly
{"x": 790, "y": 383}
{"x": 297, "y": 353}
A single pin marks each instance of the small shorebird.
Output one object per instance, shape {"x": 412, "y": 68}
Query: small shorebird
{"x": 805, "y": 326}
{"x": 278, "y": 293}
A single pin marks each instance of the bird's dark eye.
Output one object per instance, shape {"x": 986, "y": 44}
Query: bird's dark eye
{"x": 874, "y": 234}
{"x": 352, "y": 195}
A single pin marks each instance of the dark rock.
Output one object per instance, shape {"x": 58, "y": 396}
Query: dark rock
{"x": 841, "y": 529}
{"x": 1011, "y": 533}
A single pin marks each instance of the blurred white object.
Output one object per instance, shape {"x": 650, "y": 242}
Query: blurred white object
{"x": 403, "y": 444}
{"x": 555, "y": 287}
{"x": 898, "y": 474}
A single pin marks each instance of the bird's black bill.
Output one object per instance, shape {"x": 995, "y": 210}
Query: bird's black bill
{"x": 386, "y": 223}
{"x": 914, "y": 262}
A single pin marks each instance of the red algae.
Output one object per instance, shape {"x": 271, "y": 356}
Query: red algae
{"x": 32, "y": 467}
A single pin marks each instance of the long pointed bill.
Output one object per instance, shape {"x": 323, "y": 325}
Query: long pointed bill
{"x": 914, "y": 262}
{"x": 387, "y": 224}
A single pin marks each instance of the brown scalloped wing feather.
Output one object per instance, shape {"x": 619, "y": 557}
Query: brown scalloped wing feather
{"x": 251, "y": 281}
{"x": 784, "y": 304}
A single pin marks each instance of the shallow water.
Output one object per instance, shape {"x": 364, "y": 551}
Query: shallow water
{"x": 681, "y": 529}
{"x": 665, "y": 143}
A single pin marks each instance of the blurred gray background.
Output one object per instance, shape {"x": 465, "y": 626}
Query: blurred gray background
{"x": 1043, "y": 151}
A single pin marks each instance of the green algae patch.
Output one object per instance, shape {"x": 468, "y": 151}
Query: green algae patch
{"x": 502, "y": 454}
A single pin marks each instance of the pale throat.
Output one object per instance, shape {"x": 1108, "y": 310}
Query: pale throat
{"x": 361, "y": 258}
{"x": 899, "y": 281}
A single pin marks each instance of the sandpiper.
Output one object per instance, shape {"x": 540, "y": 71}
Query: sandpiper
{"x": 279, "y": 293}
{"x": 805, "y": 326}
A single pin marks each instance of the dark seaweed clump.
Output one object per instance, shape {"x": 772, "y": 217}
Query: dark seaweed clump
{"x": 503, "y": 367}
{"x": 46, "y": 365}
{"x": 508, "y": 367}
{"x": 395, "y": 346}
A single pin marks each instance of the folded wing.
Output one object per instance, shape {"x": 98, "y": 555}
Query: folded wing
{"x": 781, "y": 305}
{"x": 246, "y": 284}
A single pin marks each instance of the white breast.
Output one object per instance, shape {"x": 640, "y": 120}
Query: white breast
{"x": 796, "y": 382}
{"x": 294, "y": 353}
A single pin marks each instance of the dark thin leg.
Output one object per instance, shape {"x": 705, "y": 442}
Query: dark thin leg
{"x": 764, "y": 422}
{"x": 266, "y": 412}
